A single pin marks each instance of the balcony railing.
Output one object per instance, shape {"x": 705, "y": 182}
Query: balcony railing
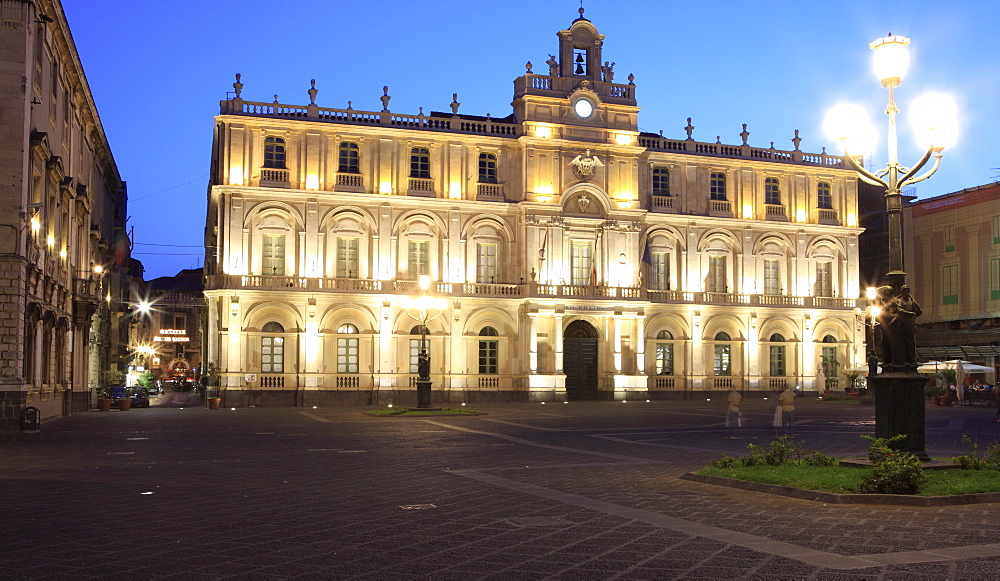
{"x": 610, "y": 294}
{"x": 662, "y": 203}
{"x": 720, "y": 208}
{"x": 775, "y": 212}
{"x": 274, "y": 177}
{"x": 489, "y": 192}
{"x": 829, "y": 217}
{"x": 350, "y": 181}
{"x": 421, "y": 187}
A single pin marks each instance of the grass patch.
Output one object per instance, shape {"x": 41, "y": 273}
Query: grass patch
{"x": 847, "y": 479}
{"x": 408, "y": 412}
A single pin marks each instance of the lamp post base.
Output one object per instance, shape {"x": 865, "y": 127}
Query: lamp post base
{"x": 899, "y": 409}
{"x": 424, "y": 394}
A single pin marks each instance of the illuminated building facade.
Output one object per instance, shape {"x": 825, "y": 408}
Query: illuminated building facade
{"x": 64, "y": 253}
{"x": 580, "y": 258}
{"x": 953, "y": 259}
{"x": 174, "y": 336}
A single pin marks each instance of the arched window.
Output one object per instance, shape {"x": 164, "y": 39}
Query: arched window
{"x": 347, "y": 349}
{"x": 661, "y": 181}
{"x": 717, "y": 189}
{"x": 772, "y": 192}
{"x": 422, "y": 332}
{"x": 664, "y": 353}
{"x": 348, "y": 157}
{"x": 777, "y": 355}
{"x": 489, "y": 360}
{"x": 272, "y": 348}
{"x": 487, "y": 168}
{"x": 420, "y": 163}
{"x": 274, "y": 152}
{"x": 721, "y": 361}
{"x": 824, "y": 199}
{"x": 829, "y": 358}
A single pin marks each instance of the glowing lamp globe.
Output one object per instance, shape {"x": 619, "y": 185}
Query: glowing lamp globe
{"x": 848, "y": 125}
{"x": 935, "y": 121}
{"x": 892, "y": 59}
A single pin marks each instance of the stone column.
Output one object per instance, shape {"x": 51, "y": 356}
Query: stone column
{"x": 640, "y": 344}
{"x": 559, "y": 342}
{"x": 533, "y": 342}
{"x": 618, "y": 342}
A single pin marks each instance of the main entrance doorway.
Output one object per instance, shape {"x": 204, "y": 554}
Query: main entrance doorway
{"x": 580, "y": 360}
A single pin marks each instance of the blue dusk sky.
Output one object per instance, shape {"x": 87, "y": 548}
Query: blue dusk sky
{"x": 158, "y": 70}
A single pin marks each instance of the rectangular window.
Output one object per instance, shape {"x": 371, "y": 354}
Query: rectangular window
{"x": 581, "y": 263}
{"x": 777, "y": 353}
{"x": 273, "y": 255}
{"x": 664, "y": 359}
{"x": 824, "y": 199}
{"x": 487, "y": 168}
{"x": 486, "y": 263}
{"x": 414, "y": 353}
{"x": 180, "y": 322}
{"x": 348, "y": 157}
{"x": 660, "y": 271}
{"x": 347, "y": 258}
{"x": 772, "y": 192}
{"x": 824, "y": 279}
{"x": 489, "y": 361}
{"x": 995, "y": 279}
{"x": 661, "y": 181}
{"x": 720, "y": 362}
{"x": 949, "y": 239}
{"x": 420, "y": 163}
{"x": 347, "y": 355}
{"x": 996, "y": 229}
{"x": 949, "y": 285}
{"x": 718, "y": 186}
{"x": 772, "y": 277}
{"x": 716, "y": 281}
{"x": 829, "y": 362}
{"x": 272, "y": 355}
{"x": 418, "y": 262}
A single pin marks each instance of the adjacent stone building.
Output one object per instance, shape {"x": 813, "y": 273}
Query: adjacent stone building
{"x": 576, "y": 256}
{"x": 953, "y": 264}
{"x": 64, "y": 252}
{"x": 176, "y": 318}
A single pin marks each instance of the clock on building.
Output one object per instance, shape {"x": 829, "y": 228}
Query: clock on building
{"x": 583, "y": 108}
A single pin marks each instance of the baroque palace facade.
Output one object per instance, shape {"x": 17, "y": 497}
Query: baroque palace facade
{"x": 577, "y": 257}
{"x": 64, "y": 253}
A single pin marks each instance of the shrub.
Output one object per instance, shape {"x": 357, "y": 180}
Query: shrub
{"x": 991, "y": 458}
{"x": 893, "y": 471}
{"x": 819, "y": 459}
{"x": 724, "y": 461}
{"x": 971, "y": 460}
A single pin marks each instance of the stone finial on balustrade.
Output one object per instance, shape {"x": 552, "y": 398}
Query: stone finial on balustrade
{"x": 455, "y": 104}
{"x": 631, "y": 79}
{"x": 238, "y": 86}
{"x": 718, "y": 140}
{"x": 421, "y": 112}
{"x": 350, "y": 105}
{"x": 796, "y": 140}
{"x": 689, "y": 129}
{"x": 276, "y": 99}
{"x": 745, "y": 134}
{"x": 312, "y": 91}
{"x": 527, "y": 68}
{"x": 772, "y": 145}
{"x": 385, "y": 98}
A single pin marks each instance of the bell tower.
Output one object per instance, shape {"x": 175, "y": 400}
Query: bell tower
{"x": 580, "y": 50}
{"x": 577, "y": 91}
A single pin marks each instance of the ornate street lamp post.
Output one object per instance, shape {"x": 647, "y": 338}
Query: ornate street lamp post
{"x": 422, "y": 310}
{"x": 899, "y": 395}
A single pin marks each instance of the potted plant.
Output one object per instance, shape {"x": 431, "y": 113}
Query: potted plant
{"x": 948, "y": 377}
{"x": 210, "y": 377}
{"x": 934, "y": 392}
{"x": 110, "y": 379}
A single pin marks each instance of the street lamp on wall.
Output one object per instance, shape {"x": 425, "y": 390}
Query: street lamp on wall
{"x": 899, "y": 398}
{"x": 424, "y": 309}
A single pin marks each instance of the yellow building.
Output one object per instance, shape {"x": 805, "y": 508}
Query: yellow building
{"x": 953, "y": 263}
{"x": 577, "y": 257}
{"x": 64, "y": 253}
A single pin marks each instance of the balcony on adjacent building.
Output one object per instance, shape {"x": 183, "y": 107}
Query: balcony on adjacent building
{"x": 350, "y": 182}
{"x": 274, "y": 178}
{"x": 421, "y": 187}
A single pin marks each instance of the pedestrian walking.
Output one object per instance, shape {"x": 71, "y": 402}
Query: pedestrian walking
{"x": 734, "y": 418}
{"x": 784, "y": 415}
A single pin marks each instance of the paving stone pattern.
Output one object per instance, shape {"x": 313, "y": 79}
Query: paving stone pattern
{"x": 580, "y": 491}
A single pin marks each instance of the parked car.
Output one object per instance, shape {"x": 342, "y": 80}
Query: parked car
{"x": 139, "y": 397}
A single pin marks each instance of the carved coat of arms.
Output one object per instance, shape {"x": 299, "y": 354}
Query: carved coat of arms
{"x": 585, "y": 166}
